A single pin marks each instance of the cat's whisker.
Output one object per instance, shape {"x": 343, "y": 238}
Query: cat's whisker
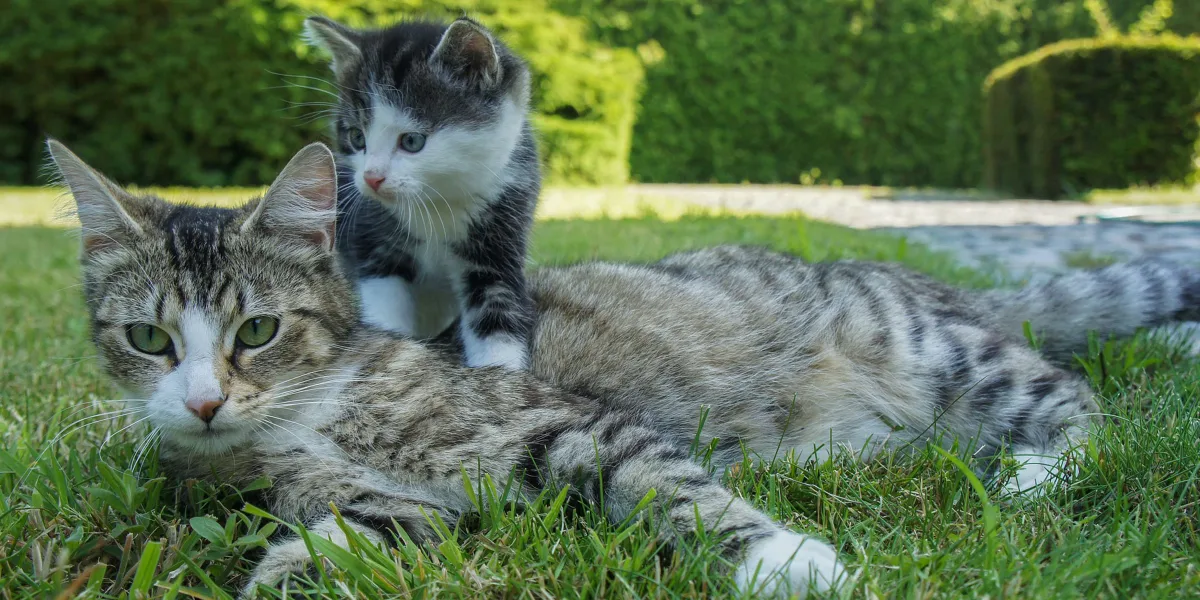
{"x": 68, "y": 430}
{"x": 323, "y": 386}
{"x": 309, "y": 383}
{"x": 112, "y": 436}
{"x": 68, "y": 413}
{"x": 303, "y": 375}
{"x": 143, "y": 448}
{"x": 280, "y": 423}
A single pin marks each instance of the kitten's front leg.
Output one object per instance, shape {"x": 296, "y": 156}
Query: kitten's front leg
{"x": 497, "y": 312}
{"x": 388, "y": 302}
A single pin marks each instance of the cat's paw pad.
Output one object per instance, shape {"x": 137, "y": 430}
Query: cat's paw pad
{"x": 789, "y": 563}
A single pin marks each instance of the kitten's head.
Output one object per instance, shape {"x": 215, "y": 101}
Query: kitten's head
{"x": 203, "y": 314}
{"x": 425, "y": 110}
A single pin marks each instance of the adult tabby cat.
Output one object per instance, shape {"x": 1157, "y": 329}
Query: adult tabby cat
{"x": 240, "y": 329}
{"x": 439, "y": 180}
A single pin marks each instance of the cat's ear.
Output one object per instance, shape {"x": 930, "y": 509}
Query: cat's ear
{"x": 99, "y": 202}
{"x": 341, "y": 42}
{"x": 302, "y": 202}
{"x": 467, "y": 50}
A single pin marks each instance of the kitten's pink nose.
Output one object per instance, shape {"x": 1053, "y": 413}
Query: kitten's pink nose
{"x": 204, "y": 408}
{"x": 373, "y": 180}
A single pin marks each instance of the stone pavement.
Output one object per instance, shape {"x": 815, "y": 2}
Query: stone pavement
{"x": 1022, "y": 237}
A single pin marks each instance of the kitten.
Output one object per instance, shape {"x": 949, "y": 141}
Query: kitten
{"x": 239, "y": 326}
{"x": 439, "y": 178}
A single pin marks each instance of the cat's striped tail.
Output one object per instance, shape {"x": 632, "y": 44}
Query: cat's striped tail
{"x": 1115, "y": 300}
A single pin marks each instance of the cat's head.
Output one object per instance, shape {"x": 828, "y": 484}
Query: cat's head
{"x": 426, "y": 111}
{"x": 203, "y": 314}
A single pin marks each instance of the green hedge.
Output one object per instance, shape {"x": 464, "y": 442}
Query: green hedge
{"x": 1094, "y": 113}
{"x": 866, "y": 91}
{"x": 189, "y": 92}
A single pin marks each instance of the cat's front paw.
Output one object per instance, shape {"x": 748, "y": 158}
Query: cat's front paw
{"x": 496, "y": 351}
{"x": 790, "y": 564}
{"x": 281, "y": 562}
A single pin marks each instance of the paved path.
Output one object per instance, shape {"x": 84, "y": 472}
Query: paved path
{"x": 1023, "y": 237}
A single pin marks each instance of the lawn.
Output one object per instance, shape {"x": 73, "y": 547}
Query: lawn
{"x": 84, "y": 510}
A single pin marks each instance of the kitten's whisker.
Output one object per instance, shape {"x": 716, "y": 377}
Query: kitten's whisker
{"x": 302, "y": 86}
{"x": 286, "y": 76}
{"x": 425, "y": 197}
{"x": 449, "y": 209}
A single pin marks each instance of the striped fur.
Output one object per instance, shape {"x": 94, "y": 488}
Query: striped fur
{"x": 810, "y": 358}
{"x": 1117, "y": 300}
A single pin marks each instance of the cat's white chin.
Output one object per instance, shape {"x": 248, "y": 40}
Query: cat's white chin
{"x": 210, "y": 442}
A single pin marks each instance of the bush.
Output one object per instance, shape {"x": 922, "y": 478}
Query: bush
{"x": 1094, "y": 113}
{"x": 189, "y": 92}
{"x": 865, "y": 91}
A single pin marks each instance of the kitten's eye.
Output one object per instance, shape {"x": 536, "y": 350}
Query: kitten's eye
{"x": 412, "y": 141}
{"x": 356, "y": 137}
{"x": 257, "y": 331}
{"x": 148, "y": 338}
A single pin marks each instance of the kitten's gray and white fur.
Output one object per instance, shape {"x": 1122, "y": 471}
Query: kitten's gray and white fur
{"x": 810, "y": 358}
{"x": 439, "y": 178}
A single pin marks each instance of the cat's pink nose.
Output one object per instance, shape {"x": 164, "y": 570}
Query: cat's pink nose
{"x": 374, "y": 180}
{"x": 205, "y": 409}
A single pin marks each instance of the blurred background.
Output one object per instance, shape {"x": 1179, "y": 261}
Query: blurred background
{"x": 941, "y": 94}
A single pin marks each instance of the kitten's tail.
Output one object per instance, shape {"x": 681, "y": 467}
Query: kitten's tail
{"x": 1115, "y": 300}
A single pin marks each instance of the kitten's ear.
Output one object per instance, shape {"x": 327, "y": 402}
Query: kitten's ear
{"x": 98, "y": 202}
{"x": 341, "y": 42}
{"x": 468, "y": 51}
{"x": 302, "y": 202}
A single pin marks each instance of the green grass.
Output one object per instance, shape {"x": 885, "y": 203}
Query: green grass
{"x": 76, "y": 520}
{"x": 50, "y": 207}
{"x": 1140, "y": 196}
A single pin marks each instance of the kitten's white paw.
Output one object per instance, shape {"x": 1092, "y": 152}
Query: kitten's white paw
{"x": 495, "y": 351}
{"x": 789, "y": 563}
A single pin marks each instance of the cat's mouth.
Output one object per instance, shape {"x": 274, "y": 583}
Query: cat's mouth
{"x": 210, "y": 439}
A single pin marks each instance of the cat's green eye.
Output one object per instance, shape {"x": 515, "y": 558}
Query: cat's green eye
{"x": 148, "y": 338}
{"x": 356, "y": 137}
{"x": 412, "y": 141}
{"x": 257, "y": 331}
